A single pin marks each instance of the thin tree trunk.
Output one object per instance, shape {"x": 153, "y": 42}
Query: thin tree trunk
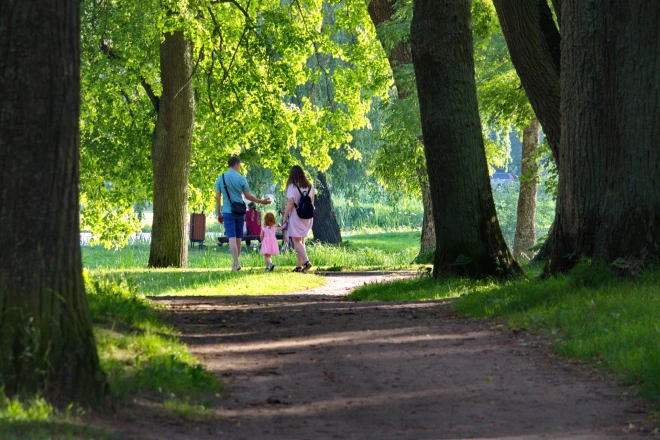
{"x": 525, "y": 237}
{"x": 427, "y": 242}
{"x": 46, "y": 342}
{"x": 170, "y": 152}
{"x": 468, "y": 235}
{"x": 381, "y": 11}
{"x": 609, "y": 191}
{"x": 325, "y": 227}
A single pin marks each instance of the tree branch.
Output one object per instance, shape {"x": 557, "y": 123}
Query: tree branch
{"x": 155, "y": 100}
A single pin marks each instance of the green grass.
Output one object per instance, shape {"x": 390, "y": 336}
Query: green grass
{"x": 403, "y": 241}
{"x": 36, "y": 419}
{"x": 138, "y": 351}
{"x": 395, "y": 250}
{"x": 205, "y": 282}
{"x": 592, "y": 314}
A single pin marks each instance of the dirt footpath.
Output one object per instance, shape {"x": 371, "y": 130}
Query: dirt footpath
{"x": 315, "y": 366}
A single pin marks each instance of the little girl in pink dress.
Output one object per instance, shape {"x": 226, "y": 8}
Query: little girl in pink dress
{"x": 269, "y": 240}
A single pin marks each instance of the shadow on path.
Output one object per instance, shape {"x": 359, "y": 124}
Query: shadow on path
{"x": 311, "y": 366}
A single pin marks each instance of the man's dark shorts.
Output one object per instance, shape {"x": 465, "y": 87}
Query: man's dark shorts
{"x": 233, "y": 224}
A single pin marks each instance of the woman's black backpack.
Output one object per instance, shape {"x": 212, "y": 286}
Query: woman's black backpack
{"x": 305, "y": 207}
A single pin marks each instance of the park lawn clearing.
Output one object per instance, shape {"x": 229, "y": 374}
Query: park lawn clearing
{"x": 591, "y": 314}
{"x": 364, "y": 251}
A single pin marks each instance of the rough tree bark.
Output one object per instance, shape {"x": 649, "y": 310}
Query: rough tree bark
{"x": 525, "y": 237}
{"x": 609, "y": 191}
{"x": 534, "y": 44}
{"x": 325, "y": 227}
{"x": 381, "y": 11}
{"x": 46, "y": 344}
{"x": 468, "y": 235}
{"x": 170, "y": 153}
{"x": 427, "y": 242}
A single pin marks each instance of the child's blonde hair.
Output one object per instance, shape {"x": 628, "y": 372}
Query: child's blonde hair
{"x": 269, "y": 220}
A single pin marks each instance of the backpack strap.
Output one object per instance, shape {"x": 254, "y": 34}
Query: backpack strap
{"x": 301, "y": 193}
{"x": 226, "y": 189}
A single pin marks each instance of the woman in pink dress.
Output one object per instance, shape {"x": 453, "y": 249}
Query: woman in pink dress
{"x": 299, "y": 228}
{"x": 269, "y": 240}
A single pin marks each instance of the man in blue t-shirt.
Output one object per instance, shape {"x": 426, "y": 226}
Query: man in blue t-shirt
{"x": 237, "y": 187}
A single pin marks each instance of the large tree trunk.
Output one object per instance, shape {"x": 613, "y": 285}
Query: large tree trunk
{"x": 609, "y": 191}
{"x": 46, "y": 339}
{"x": 534, "y": 44}
{"x": 427, "y": 243}
{"x": 468, "y": 235}
{"x": 170, "y": 152}
{"x": 525, "y": 237}
{"x": 325, "y": 227}
{"x": 381, "y": 11}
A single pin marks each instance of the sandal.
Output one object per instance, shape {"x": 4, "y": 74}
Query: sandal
{"x": 297, "y": 269}
{"x": 306, "y": 266}
{"x": 271, "y": 267}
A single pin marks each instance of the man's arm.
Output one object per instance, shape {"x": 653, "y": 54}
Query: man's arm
{"x": 248, "y": 195}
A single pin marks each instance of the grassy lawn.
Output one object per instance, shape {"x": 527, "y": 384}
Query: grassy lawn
{"x": 591, "y": 315}
{"x": 392, "y": 250}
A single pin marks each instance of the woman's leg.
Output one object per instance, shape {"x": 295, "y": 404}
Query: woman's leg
{"x": 301, "y": 251}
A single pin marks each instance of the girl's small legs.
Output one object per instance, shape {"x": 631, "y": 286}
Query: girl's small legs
{"x": 269, "y": 262}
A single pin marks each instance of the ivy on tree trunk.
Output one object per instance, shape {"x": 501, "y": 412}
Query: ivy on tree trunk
{"x": 46, "y": 343}
{"x": 468, "y": 236}
{"x": 170, "y": 152}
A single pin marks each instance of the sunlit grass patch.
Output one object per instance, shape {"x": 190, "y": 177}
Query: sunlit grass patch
{"x": 138, "y": 351}
{"x": 419, "y": 289}
{"x": 189, "y": 410}
{"x": 36, "y": 419}
{"x": 212, "y": 281}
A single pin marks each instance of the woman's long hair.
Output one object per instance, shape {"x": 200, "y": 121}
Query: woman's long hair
{"x": 297, "y": 177}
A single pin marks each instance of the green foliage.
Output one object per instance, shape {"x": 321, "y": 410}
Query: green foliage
{"x": 506, "y": 204}
{"x": 251, "y": 62}
{"x": 357, "y": 214}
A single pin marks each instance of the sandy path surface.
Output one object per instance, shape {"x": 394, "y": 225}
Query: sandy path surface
{"x": 315, "y": 366}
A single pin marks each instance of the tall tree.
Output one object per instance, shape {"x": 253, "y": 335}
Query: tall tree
{"x": 525, "y": 237}
{"x": 609, "y": 192}
{"x": 170, "y": 153}
{"x": 534, "y": 45}
{"x": 400, "y": 58}
{"x": 46, "y": 340}
{"x": 325, "y": 227}
{"x": 468, "y": 236}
